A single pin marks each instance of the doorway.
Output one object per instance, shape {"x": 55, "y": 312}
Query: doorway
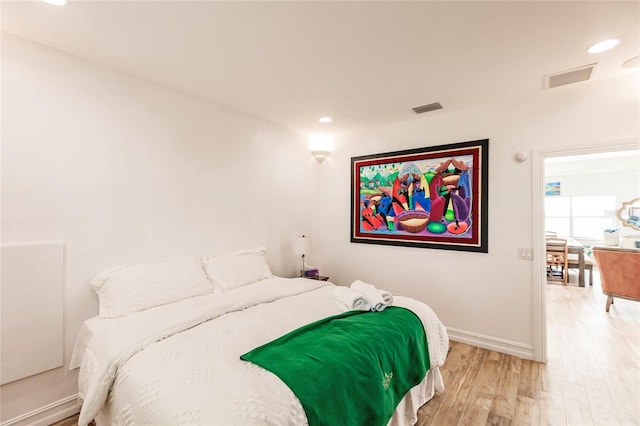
{"x": 539, "y": 160}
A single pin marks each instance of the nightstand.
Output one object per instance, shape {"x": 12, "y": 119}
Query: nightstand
{"x": 319, "y": 278}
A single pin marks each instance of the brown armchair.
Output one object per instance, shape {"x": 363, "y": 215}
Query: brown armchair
{"x": 619, "y": 272}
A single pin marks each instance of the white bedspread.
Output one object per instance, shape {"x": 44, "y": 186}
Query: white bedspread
{"x": 179, "y": 363}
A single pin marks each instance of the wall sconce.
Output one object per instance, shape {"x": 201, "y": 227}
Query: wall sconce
{"x": 320, "y": 146}
{"x": 320, "y": 155}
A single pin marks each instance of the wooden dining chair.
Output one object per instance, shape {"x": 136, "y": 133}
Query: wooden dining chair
{"x": 557, "y": 260}
{"x": 550, "y": 234}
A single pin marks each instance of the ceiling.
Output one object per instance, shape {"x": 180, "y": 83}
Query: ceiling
{"x": 363, "y": 63}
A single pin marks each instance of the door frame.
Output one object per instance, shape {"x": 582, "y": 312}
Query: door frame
{"x": 538, "y": 157}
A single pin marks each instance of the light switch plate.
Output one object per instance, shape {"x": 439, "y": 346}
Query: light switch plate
{"x": 525, "y": 253}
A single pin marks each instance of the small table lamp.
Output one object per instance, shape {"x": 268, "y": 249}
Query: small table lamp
{"x": 303, "y": 248}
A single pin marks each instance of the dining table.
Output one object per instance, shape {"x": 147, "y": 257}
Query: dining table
{"x": 576, "y": 247}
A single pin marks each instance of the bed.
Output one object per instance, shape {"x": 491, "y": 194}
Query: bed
{"x": 176, "y": 360}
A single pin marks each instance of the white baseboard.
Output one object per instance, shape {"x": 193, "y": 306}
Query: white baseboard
{"x": 48, "y": 414}
{"x": 492, "y": 343}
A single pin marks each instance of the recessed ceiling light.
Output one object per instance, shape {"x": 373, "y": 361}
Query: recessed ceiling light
{"x": 325, "y": 119}
{"x": 604, "y": 45}
{"x": 56, "y": 2}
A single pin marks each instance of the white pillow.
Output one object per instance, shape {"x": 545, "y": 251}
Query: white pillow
{"x": 126, "y": 289}
{"x": 237, "y": 269}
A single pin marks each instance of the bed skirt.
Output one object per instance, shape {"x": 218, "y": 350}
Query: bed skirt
{"x": 406, "y": 413}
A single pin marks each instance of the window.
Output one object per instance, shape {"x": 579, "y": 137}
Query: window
{"x": 558, "y": 215}
{"x": 579, "y": 217}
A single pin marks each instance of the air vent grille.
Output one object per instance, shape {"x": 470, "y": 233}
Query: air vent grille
{"x": 569, "y": 77}
{"x": 426, "y": 108}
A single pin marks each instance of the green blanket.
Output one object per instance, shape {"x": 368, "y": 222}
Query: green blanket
{"x": 352, "y": 368}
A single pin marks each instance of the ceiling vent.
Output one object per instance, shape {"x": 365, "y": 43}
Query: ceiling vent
{"x": 569, "y": 77}
{"x": 426, "y": 108}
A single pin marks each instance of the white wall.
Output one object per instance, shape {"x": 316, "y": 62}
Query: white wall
{"x": 483, "y": 298}
{"x": 126, "y": 171}
{"x": 623, "y": 185}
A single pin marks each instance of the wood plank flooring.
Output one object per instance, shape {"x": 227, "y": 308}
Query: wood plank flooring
{"x": 592, "y": 376}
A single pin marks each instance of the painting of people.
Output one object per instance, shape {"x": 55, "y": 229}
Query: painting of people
{"x": 434, "y": 197}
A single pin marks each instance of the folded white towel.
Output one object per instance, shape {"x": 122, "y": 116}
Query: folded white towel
{"x": 380, "y": 299}
{"x": 351, "y": 299}
{"x": 387, "y": 297}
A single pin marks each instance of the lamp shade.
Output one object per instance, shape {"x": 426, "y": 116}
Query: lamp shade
{"x": 320, "y": 155}
{"x": 303, "y": 245}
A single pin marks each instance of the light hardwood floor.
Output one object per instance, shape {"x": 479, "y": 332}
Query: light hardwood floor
{"x": 592, "y": 376}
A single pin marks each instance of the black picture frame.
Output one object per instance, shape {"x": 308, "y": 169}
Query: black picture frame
{"x": 433, "y": 197}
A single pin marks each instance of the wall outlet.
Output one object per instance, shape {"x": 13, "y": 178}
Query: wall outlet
{"x": 525, "y": 253}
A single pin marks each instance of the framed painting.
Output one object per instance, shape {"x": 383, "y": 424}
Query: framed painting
{"x": 433, "y": 197}
{"x": 551, "y": 189}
